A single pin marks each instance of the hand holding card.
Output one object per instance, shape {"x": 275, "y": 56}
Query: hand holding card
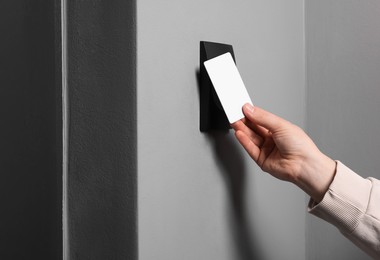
{"x": 228, "y": 85}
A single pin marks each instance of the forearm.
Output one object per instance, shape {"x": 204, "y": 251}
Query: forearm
{"x": 316, "y": 175}
{"x": 351, "y": 205}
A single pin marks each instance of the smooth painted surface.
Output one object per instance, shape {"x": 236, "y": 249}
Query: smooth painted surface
{"x": 343, "y": 64}
{"x": 199, "y": 195}
{"x": 30, "y": 145}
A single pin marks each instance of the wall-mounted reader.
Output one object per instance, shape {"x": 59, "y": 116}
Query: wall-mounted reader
{"x": 212, "y": 115}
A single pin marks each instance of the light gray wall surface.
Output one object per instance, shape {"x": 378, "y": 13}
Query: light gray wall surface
{"x": 343, "y": 100}
{"x": 199, "y": 195}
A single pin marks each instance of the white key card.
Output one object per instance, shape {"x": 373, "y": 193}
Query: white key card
{"x": 228, "y": 85}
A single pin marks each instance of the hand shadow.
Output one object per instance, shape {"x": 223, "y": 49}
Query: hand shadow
{"x": 230, "y": 158}
{"x": 232, "y": 167}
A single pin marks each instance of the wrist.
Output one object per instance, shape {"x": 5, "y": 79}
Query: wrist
{"x": 316, "y": 176}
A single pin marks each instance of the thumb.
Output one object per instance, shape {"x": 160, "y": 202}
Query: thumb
{"x": 263, "y": 118}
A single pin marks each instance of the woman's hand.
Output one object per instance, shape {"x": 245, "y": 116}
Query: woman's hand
{"x": 285, "y": 151}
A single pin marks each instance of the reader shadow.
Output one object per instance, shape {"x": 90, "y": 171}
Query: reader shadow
{"x": 231, "y": 164}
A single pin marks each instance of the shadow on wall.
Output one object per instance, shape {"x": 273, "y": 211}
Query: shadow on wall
{"x": 232, "y": 167}
{"x": 230, "y": 158}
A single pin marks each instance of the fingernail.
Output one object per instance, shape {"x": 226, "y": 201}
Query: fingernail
{"x": 249, "y": 107}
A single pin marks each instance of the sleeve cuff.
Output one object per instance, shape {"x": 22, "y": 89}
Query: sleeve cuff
{"x": 345, "y": 201}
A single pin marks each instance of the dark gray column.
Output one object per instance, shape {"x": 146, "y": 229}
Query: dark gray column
{"x": 102, "y": 129}
{"x": 30, "y": 131}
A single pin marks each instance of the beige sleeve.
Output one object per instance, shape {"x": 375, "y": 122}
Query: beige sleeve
{"x": 352, "y": 204}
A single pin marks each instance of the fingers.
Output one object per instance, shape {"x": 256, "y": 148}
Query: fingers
{"x": 249, "y": 131}
{"x": 259, "y": 130}
{"x": 263, "y": 118}
{"x": 252, "y": 149}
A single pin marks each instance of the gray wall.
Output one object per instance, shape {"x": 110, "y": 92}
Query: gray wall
{"x": 343, "y": 100}
{"x": 199, "y": 195}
